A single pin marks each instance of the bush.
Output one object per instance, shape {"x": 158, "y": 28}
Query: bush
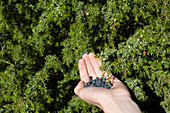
{"x": 42, "y": 40}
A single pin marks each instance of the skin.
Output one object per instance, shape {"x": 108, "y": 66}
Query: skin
{"x": 114, "y": 100}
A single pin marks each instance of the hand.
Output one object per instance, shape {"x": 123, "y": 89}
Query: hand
{"x": 115, "y": 98}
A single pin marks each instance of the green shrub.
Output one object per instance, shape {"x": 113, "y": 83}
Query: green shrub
{"x": 42, "y": 40}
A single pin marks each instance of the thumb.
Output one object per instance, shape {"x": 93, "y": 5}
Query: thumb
{"x": 79, "y": 86}
{"x": 92, "y": 95}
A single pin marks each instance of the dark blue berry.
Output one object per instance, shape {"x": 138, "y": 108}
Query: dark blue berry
{"x": 88, "y": 83}
{"x": 93, "y": 82}
{"x": 103, "y": 80}
{"x": 100, "y": 80}
{"x": 85, "y": 85}
{"x": 79, "y": 12}
{"x": 110, "y": 84}
{"x": 90, "y": 77}
{"x": 46, "y": 66}
{"x": 104, "y": 16}
{"x": 161, "y": 50}
{"x": 100, "y": 84}
{"x": 2, "y": 34}
{"x": 107, "y": 87}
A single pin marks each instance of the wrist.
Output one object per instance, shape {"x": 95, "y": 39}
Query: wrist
{"x": 119, "y": 105}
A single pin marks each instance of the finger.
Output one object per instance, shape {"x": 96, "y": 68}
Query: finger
{"x": 95, "y": 65}
{"x": 99, "y": 62}
{"x": 87, "y": 94}
{"x": 93, "y": 95}
{"x": 111, "y": 78}
{"x": 89, "y": 66}
{"x": 83, "y": 71}
{"x": 79, "y": 87}
{"x": 104, "y": 73}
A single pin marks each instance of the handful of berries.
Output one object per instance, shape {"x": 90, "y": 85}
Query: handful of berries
{"x": 98, "y": 82}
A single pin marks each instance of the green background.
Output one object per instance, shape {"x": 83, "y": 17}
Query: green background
{"x": 41, "y": 42}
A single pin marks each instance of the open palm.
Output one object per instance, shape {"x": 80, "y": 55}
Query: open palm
{"x": 90, "y": 66}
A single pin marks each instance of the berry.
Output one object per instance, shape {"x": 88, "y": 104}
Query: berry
{"x": 46, "y": 66}
{"x": 107, "y": 87}
{"x": 90, "y": 82}
{"x": 86, "y": 85}
{"x": 102, "y": 85}
{"x": 104, "y": 16}
{"x": 110, "y": 84}
{"x": 93, "y": 82}
{"x": 98, "y": 82}
{"x": 79, "y": 12}
{"x": 103, "y": 79}
{"x": 90, "y": 77}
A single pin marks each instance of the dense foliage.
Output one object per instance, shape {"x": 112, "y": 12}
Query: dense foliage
{"x": 41, "y": 42}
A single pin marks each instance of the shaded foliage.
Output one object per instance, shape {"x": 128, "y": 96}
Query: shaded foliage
{"x": 41, "y": 42}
